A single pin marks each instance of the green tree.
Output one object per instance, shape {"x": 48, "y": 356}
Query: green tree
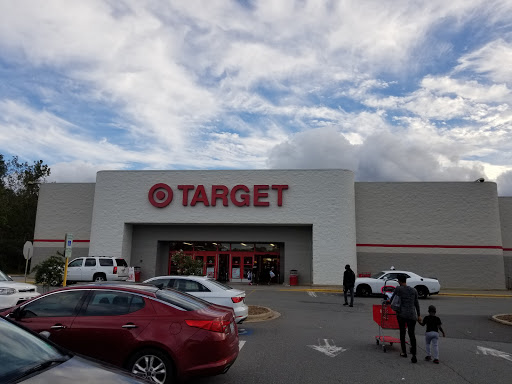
{"x": 186, "y": 264}
{"x": 19, "y": 188}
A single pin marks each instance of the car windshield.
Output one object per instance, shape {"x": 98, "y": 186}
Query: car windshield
{"x": 4, "y": 277}
{"x": 23, "y": 353}
{"x": 220, "y": 285}
{"x": 182, "y": 300}
{"x": 378, "y": 275}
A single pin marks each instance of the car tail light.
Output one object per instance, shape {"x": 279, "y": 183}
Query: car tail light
{"x": 115, "y": 270}
{"x": 210, "y": 325}
{"x": 237, "y": 299}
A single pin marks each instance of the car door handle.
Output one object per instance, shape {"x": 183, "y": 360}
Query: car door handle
{"x": 58, "y": 326}
{"x": 129, "y": 326}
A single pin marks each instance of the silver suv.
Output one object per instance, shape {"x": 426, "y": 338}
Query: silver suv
{"x": 97, "y": 268}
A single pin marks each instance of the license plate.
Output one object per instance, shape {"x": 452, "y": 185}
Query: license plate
{"x": 232, "y": 327}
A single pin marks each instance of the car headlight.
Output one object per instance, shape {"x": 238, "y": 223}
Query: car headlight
{"x": 7, "y": 291}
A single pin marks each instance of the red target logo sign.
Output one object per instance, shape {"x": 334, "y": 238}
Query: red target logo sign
{"x": 160, "y": 195}
{"x": 260, "y": 195}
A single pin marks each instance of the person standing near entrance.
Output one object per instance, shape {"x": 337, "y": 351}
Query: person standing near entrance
{"x": 408, "y": 313}
{"x": 349, "y": 279}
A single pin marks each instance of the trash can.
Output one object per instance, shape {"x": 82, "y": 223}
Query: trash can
{"x": 137, "y": 274}
{"x": 294, "y": 277}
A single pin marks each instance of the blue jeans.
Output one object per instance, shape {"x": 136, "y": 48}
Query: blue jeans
{"x": 432, "y": 337}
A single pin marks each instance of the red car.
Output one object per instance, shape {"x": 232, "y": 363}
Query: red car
{"x": 158, "y": 334}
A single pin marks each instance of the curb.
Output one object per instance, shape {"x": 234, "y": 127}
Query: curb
{"x": 311, "y": 290}
{"x": 495, "y": 318}
{"x": 269, "y": 314}
{"x": 475, "y": 295}
{"x": 439, "y": 294}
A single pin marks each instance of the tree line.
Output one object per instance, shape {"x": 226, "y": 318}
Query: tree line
{"x": 19, "y": 189}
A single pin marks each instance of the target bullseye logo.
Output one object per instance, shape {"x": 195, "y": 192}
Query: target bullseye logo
{"x": 160, "y": 195}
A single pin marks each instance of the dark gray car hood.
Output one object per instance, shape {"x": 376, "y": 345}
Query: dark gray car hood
{"x": 82, "y": 371}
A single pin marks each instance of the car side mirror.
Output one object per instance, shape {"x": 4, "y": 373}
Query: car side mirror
{"x": 160, "y": 285}
{"x": 16, "y": 314}
{"x": 45, "y": 334}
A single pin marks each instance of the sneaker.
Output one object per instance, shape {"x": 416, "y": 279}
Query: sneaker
{"x": 414, "y": 360}
{"x": 428, "y": 358}
{"x": 351, "y": 305}
{"x": 403, "y": 354}
{"x": 345, "y": 304}
{"x": 436, "y": 361}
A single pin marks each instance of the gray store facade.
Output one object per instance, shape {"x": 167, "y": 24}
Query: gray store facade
{"x": 311, "y": 221}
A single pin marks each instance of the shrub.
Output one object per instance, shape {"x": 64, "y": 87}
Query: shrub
{"x": 51, "y": 271}
{"x": 186, "y": 264}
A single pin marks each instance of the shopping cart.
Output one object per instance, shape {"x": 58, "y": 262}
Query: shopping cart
{"x": 385, "y": 317}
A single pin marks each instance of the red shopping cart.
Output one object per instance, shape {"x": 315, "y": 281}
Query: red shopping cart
{"x": 385, "y": 317}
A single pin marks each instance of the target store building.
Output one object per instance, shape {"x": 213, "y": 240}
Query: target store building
{"x": 309, "y": 221}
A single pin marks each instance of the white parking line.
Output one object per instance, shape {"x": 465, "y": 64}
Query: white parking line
{"x": 240, "y": 344}
{"x": 493, "y": 352}
{"x": 312, "y": 294}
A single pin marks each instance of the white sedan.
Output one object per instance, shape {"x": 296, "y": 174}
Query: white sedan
{"x": 206, "y": 289}
{"x": 12, "y": 292}
{"x": 365, "y": 286}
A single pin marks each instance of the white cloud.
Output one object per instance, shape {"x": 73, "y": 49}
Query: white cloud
{"x": 494, "y": 60}
{"x": 195, "y": 84}
{"x": 504, "y": 182}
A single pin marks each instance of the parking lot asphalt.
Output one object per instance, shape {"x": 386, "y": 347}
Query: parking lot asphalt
{"x": 317, "y": 339}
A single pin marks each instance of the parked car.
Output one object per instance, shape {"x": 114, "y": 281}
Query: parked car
{"x": 158, "y": 334}
{"x": 30, "y": 358}
{"x": 365, "y": 286}
{"x": 97, "y": 268}
{"x": 12, "y": 292}
{"x": 206, "y": 289}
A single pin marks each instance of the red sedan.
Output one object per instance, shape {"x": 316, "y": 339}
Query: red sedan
{"x": 158, "y": 334}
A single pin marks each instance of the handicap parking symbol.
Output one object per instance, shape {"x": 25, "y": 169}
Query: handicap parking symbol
{"x": 244, "y": 332}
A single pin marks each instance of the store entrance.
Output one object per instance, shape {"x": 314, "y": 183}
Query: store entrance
{"x": 263, "y": 264}
{"x": 223, "y": 274}
{"x": 236, "y": 262}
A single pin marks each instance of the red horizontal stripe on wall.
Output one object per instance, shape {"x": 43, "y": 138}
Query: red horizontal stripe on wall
{"x": 59, "y": 241}
{"x": 507, "y": 249}
{"x": 430, "y": 246}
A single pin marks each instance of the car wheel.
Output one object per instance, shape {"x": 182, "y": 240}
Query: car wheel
{"x": 99, "y": 277}
{"x": 152, "y": 365}
{"x": 422, "y": 291}
{"x": 364, "y": 290}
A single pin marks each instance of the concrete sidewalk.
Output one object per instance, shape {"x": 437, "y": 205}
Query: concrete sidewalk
{"x": 339, "y": 289}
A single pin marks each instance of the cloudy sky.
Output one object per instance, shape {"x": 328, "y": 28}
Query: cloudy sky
{"x": 393, "y": 90}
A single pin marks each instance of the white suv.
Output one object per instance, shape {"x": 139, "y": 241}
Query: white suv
{"x": 97, "y": 268}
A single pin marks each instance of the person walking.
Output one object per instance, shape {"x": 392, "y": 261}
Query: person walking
{"x": 349, "y": 279}
{"x": 271, "y": 276}
{"x": 408, "y": 314}
{"x": 433, "y": 324}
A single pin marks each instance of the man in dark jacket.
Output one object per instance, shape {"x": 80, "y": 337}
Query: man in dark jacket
{"x": 349, "y": 279}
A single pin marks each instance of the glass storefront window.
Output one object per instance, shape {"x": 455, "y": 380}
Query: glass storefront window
{"x": 267, "y": 247}
{"x": 224, "y": 247}
{"x": 235, "y": 268}
{"x": 180, "y": 245}
{"x": 241, "y": 247}
{"x": 205, "y": 246}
